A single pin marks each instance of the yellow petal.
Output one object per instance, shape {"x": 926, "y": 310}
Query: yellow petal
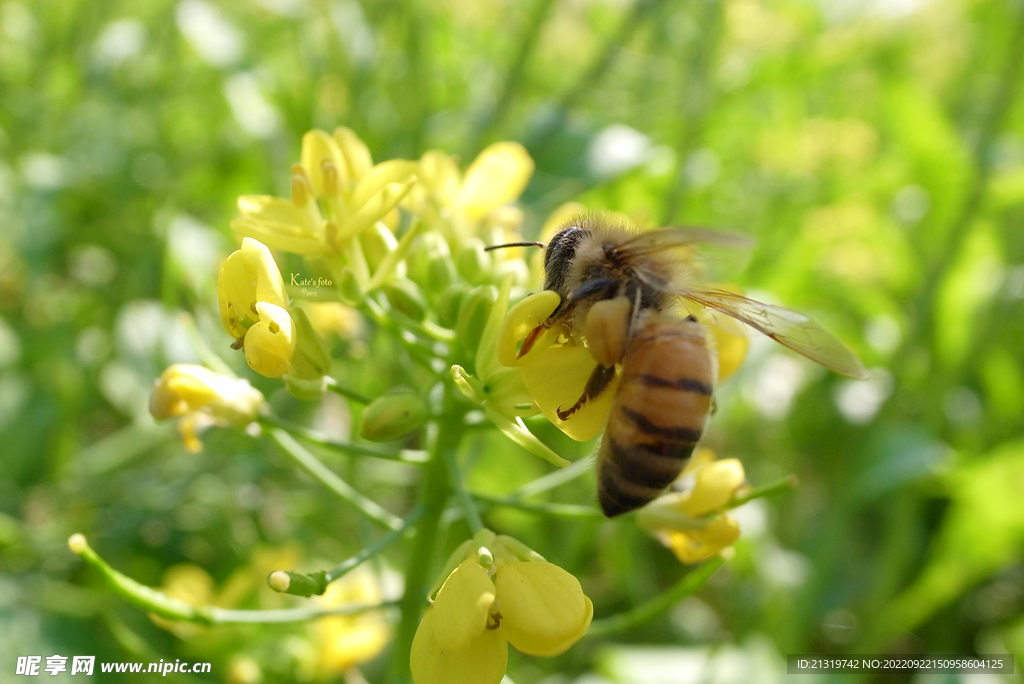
{"x": 391, "y": 171}
{"x": 184, "y": 388}
{"x": 374, "y": 209}
{"x": 498, "y": 176}
{"x": 695, "y": 546}
{"x": 247, "y": 276}
{"x": 521, "y": 320}
{"x": 270, "y": 344}
{"x": 730, "y": 344}
{"x": 354, "y": 151}
{"x": 318, "y": 146}
{"x": 556, "y": 377}
{"x": 462, "y": 606}
{"x": 716, "y": 483}
{"x": 482, "y": 662}
{"x": 282, "y": 236}
{"x": 543, "y": 608}
{"x": 439, "y": 173}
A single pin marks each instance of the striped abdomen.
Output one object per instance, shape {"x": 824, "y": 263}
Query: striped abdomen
{"x": 662, "y": 403}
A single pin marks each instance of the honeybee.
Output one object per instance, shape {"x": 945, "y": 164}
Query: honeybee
{"x": 618, "y": 291}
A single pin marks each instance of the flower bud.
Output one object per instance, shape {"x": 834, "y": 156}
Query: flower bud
{"x": 449, "y": 302}
{"x": 311, "y": 360}
{"x": 406, "y": 299}
{"x": 393, "y": 416}
{"x": 377, "y": 243}
{"x": 473, "y": 315}
{"x": 306, "y": 389}
{"x": 348, "y": 288}
{"x": 440, "y": 273}
{"x": 472, "y": 261}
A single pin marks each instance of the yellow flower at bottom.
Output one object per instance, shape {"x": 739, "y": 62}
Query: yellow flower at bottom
{"x": 483, "y": 661}
{"x": 543, "y": 608}
{"x": 514, "y": 597}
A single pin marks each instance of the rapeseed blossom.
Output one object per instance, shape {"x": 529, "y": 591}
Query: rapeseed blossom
{"x": 499, "y": 592}
{"x": 201, "y": 397}
{"x": 693, "y": 523}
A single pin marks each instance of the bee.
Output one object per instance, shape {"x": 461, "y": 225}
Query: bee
{"x": 619, "y": 291}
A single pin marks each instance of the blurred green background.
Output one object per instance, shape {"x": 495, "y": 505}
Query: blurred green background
{"x": 875, "y": 148}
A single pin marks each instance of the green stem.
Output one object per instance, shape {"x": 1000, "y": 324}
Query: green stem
{"x": 541, "y": 508}
{"x": 372, "y": 550}
{"x": 338, "y": 388}
{"x": 554, "y": 479}
{"x": 329, "y": 479}
{"x": 434, "y": 493}
{"x": 644, "y": 613}
{"x": 465, "y": 500}
{"x": 159, "y": 603}
{"x": 410, "y": 456}
{"x": 781, "y": 485}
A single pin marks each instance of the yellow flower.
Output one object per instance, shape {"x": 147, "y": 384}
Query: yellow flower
{"x": 270, "y": 342}
{"x": 499, "y": 390}
{"x": 196, "y": 393}
{"x": 499, "y": 592}
{"x": 464, "y": 205}
{"x": 345, "y": 641}
{"x": 336, "y": 194}
{"x": 693, "y": 524}
{"x": 249, "y": 275}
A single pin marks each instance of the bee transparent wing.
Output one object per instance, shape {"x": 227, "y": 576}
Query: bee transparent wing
{"x": 787, "y": 327}
{"x": 683, "y": 236}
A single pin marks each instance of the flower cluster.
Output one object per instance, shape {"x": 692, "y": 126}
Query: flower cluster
{"x": 401, "y": 243}
{"x": 499, "y": 592}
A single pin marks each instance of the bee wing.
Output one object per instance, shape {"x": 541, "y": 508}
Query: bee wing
{"x": 787, "y": 327}
{"x": 683, "y": 236}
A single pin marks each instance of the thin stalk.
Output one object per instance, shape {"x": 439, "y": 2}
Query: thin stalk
{"x": 463, "y": 497}
{"x": 336, "y": 387}
{"x": 553, "y": 509}
{"x": 775, "y": 488}
{"x": 410, "y": 456}
{"x": 554, "y": 479}
{"x": 645, "y": 612}
{"x": 329, "y": 479}
{"x": 372, "y": 550}
{"x": 154, "y": 601}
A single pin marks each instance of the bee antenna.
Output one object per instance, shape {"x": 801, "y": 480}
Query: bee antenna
{"x": 527, "y": 243}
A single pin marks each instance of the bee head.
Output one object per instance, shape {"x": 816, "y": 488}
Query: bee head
{"x": 559, "y": 255}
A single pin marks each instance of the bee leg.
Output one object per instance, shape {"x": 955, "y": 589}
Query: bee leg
{"x": 597, "y": 384}
{"x": 602, "y": 288}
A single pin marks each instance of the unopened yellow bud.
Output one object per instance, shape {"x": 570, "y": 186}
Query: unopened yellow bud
{"x": 406, "y": 298}
{"x": 393, "y": 416}
{"x": 270, "y": 343}
{"x": 377, "y": 242}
